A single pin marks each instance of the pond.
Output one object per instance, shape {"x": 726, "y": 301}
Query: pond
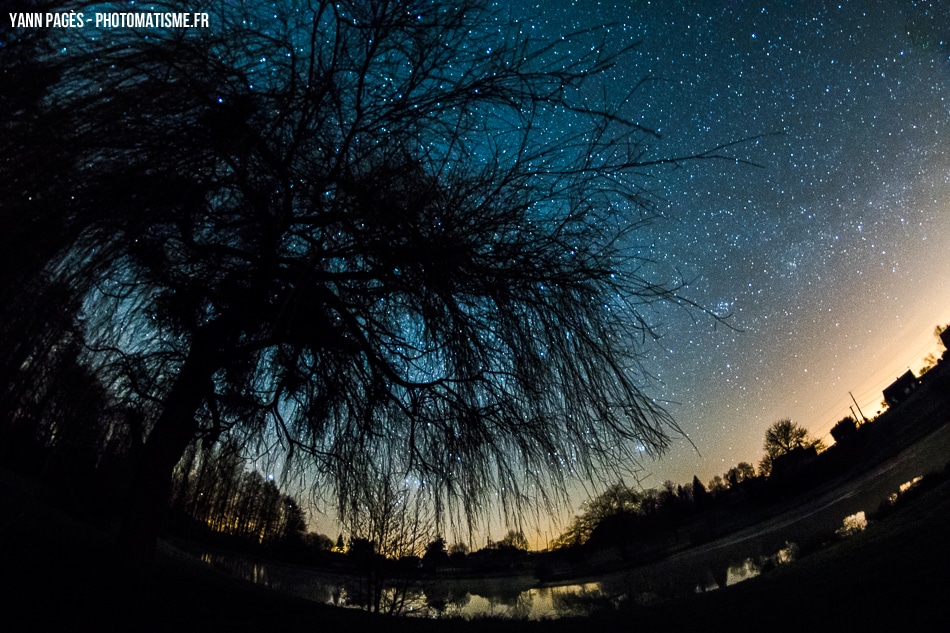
{"x": 722, "y": 563}
{"x": 520, "y": 597}
{"x": 513, "y": 597}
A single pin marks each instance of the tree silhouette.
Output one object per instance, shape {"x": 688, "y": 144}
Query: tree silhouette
{"x": 435, "y": 554}
{"x": 616, "y": 499}
{"x": 844, "y": 428}
{"x": 700, "y": 494}
{"x": 458, "y": 551}
{"x": 717, "y": 485}
{"x": 348, "y": 230}
{"x": 782, "y": 438}
{"x": 742, "y": 471}
{"x": 215, "y": 491}
{"x": 514, "y": 539}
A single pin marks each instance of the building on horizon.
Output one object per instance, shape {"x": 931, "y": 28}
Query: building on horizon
{"x": 900, "y": 389}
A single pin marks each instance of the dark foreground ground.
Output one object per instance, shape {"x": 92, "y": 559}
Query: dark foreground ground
{"x": 60, "y": 574}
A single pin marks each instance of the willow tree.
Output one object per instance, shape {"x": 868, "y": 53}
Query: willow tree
{"x": 392, "y": 239}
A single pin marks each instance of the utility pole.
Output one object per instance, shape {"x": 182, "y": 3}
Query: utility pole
{"x": 858, "y": 406}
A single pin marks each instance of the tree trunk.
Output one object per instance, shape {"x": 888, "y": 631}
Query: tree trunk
{"x": 147, "y": 501}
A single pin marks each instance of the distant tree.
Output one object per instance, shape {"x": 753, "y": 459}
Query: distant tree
{"x": 739, "y": 473}
{"x": 652, "y": 503}
{"x": 294, "y": 521}
{"x": 361, "y": 550}
{"x": 616, "y": 499}
{"x": 746, "y": 471}
{"x": 514, "y": 540}
{"x": 317, "y": 541}
{"x": 700, "y": 495}
{"x": 844, "y": 428}
{"x": 668, "y": 499}
{"x": 717, "y": 484}
{"x": 458, "y": 551}
{"x": 782, "y": 438}
{"x": 930, "y": 361}
{"x": 213, "y": 488}
{"x": 575, "y": 535}
{"x": 395, "y": 520}
{"x": 349, "y": 229}
{"x": 435, "y": 554}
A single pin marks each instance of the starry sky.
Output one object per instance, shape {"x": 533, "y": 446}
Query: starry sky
{"x": 832, "y": 256}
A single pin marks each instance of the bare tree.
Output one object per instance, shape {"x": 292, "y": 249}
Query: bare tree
{"x": 394, "y": 523}
{"x": 782, "y": 438}
{"x": 344, "y": 230}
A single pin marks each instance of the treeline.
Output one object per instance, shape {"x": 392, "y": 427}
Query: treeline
{"x": 214, "y": 492}
{"x": 625, "y": 514}
{"x": 624, "y": 510}
{"x": 644, "y": 522}
{"x": 65, "y": 429}
{"x": 59, "y": 425}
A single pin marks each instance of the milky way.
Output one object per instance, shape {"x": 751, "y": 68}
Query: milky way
{"x": 831, "y": 256}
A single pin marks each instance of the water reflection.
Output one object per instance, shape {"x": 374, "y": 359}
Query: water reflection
{"x": 512, "y": 597}
{"x": 537, "y": 602}
{"x": 713, "y": 566}
{"x": 508, "y": 597}
{"x": 517, "y": 597}
{"x": 904, "y": 487}
{"x": 852, "y": 524}
{"x": 750, "y": 567}
{"x": 743, "y": 571}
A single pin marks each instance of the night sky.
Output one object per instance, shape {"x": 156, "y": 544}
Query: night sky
{"x": 832, "y": 257}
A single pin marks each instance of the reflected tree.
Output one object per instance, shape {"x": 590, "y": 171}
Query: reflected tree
{"x": 389, "y": 535}
{"x": 444, "y": 597}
